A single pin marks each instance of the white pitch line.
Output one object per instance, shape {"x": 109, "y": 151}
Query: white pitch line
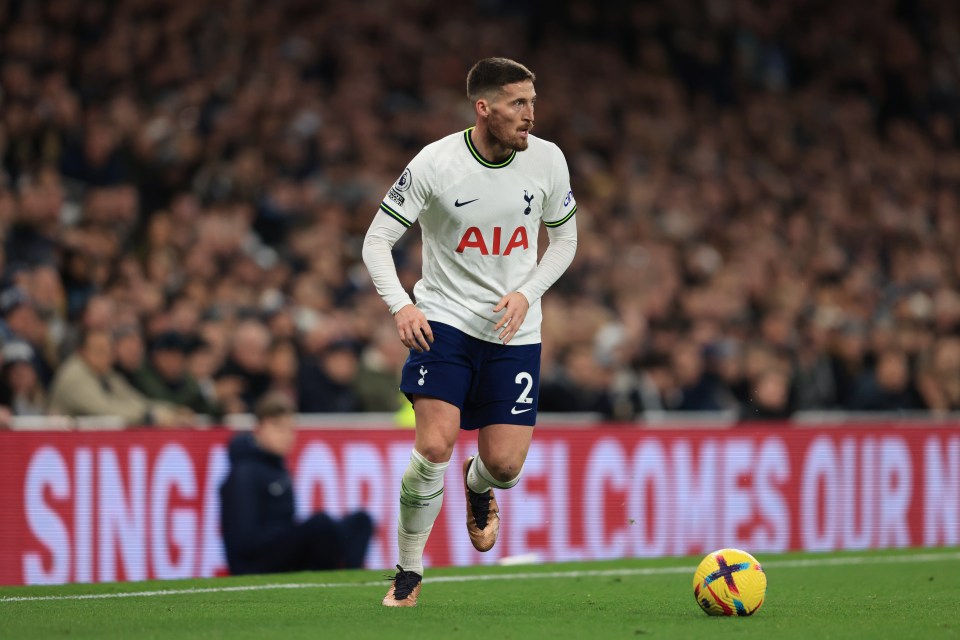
{"x": 592, "y": 573}
{"x": 179, "y": 592}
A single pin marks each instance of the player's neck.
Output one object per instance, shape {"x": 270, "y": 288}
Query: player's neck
{"x": 489, "y": 147}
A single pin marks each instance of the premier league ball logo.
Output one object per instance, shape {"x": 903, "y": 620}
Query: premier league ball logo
{"x": 403, "y": 182}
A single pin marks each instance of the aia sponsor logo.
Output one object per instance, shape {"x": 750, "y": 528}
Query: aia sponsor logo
{"x": 492, "y": 244}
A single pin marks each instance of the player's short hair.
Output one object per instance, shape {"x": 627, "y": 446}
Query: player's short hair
{"x": 490, "y": 74}
{"x": 273, "y": 405}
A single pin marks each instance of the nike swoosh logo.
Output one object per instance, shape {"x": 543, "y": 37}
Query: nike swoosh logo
{"x": 457, "y": 202}
{"x": 514, "y": 411}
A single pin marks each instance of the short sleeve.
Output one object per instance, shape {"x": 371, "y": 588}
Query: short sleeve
{"x": 411, "y": 193}
{"x": 560, "y": 205}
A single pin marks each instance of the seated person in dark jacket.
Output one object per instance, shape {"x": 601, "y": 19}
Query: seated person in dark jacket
{"x": 260, "y": 533}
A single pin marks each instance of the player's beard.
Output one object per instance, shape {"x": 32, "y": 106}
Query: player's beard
{"x": 522, "y": 143}
{"x": 507, "y": 135}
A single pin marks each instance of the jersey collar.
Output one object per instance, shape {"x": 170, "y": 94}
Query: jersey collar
{"x": 479, "y": 158}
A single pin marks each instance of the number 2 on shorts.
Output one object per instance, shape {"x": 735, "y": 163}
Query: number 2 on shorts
{"x": 525, "y": 378}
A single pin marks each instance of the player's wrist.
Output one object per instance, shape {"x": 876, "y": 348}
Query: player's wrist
{"x": 527, "y": 296}
{"x": 397, "y": 306}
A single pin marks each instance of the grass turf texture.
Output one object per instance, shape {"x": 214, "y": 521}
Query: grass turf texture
{"x": 891, "y": 594}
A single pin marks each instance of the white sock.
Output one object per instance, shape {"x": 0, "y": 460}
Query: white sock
{"x": 480, "y": 480}
{"x": 421, "y": 496}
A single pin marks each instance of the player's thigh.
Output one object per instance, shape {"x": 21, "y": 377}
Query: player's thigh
{"x": 438, "y": 425}
{"x": 506, "y": 388}
{"x": 445, "y": 372}
{"x": 437, "y": 382}
{"x": 503, "y": 449}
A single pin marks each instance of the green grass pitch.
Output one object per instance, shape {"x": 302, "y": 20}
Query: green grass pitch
{"x": 890, "y": 594}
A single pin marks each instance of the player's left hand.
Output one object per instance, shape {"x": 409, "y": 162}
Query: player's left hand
{"x": 516, "y": 306}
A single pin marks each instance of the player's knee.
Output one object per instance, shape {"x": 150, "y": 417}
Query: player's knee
{"x": 505, "y": 472}
{"x": 436, "y": 450}
{"x": 422, "y": 473}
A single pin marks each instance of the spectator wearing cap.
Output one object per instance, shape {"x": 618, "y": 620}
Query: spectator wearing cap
{"x": 20, "y": 387}
{"x": 165, "y": 375}
{"x": 257, "y": 506}
{"x": 87, "y": 385}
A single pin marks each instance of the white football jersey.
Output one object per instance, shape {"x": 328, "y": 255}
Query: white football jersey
{"x": 480, "y": 222}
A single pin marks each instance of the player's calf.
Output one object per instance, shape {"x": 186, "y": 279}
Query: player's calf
{"x": 483, "y": 513}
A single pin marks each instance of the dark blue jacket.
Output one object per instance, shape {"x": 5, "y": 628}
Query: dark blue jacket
{"x": 256, "y": 500}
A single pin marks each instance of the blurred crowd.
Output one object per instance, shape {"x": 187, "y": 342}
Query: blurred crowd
{"x": 768, "y": 194}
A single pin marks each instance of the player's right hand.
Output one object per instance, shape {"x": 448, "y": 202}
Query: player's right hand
{"x": 415, "y": 331}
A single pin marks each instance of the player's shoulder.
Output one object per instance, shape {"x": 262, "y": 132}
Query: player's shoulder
{"x": 444, "y": 146}
{"x": 435, "y": 156}
{"x": 538, "y": 142}
{"x": 429, "y": 163}
{"x": 543, "y": 147}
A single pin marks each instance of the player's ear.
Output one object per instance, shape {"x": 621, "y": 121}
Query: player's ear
{"x": 482, "y": 107}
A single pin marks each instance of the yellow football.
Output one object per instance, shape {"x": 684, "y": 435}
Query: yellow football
{"x": 729, "y": 582}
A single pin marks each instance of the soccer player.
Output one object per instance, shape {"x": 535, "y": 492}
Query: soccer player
{"x": 474, "y": 332}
